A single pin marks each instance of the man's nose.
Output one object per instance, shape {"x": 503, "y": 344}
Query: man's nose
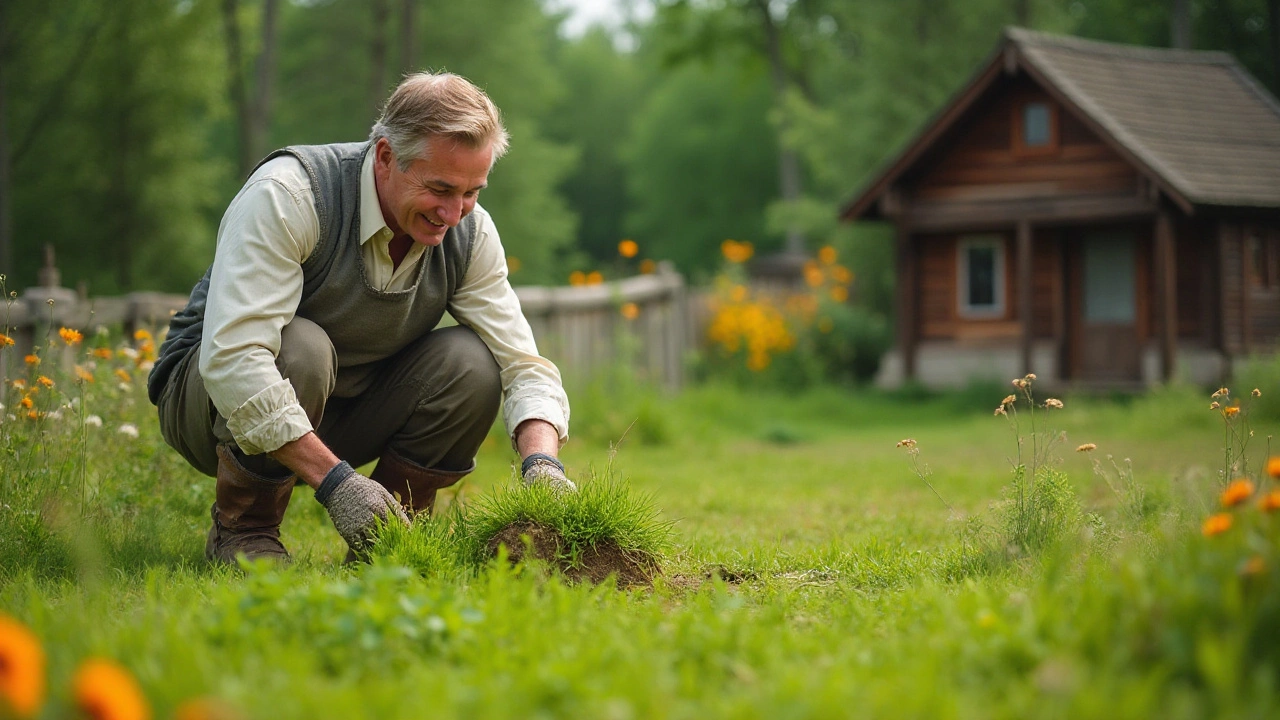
{"x": 451, "y": 211}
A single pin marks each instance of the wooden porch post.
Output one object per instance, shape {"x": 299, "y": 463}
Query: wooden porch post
{"x": 1166, "y": 272}
{"x": 1025, "y": 282}
{"x": 906, "y": 300}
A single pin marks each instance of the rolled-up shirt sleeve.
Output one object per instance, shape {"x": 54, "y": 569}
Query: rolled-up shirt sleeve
{"x": 486, "y": 302}
{"x": 268, "y": 230}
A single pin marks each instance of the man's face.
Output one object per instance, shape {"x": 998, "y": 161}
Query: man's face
{"x": 432, "y": 195}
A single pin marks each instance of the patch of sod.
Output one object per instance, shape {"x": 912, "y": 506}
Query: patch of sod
{"x": 604, "y": 529}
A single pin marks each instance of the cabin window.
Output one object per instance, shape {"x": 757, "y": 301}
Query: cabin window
{"x": 1035, "y": 128}
{"x": 1264, "y": 254}
{"x": 981, "y": 280}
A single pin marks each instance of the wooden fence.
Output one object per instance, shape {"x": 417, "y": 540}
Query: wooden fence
{"x": 582, "y": 329}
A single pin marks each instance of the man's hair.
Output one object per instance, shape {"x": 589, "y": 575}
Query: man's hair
{"x": 428, "y": 104}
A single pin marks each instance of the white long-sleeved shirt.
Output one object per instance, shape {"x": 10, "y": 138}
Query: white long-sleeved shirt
{"x": 267, "y": 232}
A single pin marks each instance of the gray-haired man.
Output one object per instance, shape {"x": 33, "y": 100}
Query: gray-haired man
{"x": 311, "y": 344}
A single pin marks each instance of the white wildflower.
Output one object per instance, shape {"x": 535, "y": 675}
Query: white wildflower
{"x": 129, "y": 352}
{"x": 93, "y": 421}
{"x": 128, "y": 429}
{"x": 146, "y": 365}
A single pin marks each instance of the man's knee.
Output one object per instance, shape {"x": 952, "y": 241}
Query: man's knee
{"x": 466, "y": 367}
{"x": 309, "y": 362}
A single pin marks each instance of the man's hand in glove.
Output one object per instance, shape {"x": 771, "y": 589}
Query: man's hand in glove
{"x": 541, "y": 468}
{"x": 356, "y": 504}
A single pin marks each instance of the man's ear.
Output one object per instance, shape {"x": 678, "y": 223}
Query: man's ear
{"x": 382, "y": 153}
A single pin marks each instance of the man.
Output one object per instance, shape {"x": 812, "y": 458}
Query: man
{"x": 310, "y": 346}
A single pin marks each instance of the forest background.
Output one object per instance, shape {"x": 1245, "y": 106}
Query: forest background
{"x": 126, "y": 127}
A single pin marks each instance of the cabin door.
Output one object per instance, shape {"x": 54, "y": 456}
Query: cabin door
{"x": 1108, "y": 342}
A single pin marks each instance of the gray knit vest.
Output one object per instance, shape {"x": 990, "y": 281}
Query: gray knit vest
{"x": 365, "y": 324}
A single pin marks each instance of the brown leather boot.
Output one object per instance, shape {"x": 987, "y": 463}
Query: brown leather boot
{"x": 246, "y": 513}
{"x": 413, "y": 485}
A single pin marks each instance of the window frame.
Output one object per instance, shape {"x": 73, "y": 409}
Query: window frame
{"x": 1020, "y": 146}
{"x": 999, "y": 307}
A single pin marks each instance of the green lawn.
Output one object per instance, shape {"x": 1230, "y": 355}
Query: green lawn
{"x": 811, "y": 573}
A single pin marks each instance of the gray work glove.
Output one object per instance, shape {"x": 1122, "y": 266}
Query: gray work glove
{"x": 541, "y": 468}
{"x": 356, "y": 504}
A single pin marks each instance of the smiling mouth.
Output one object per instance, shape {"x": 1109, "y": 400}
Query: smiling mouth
{"x": 433, "y": 222}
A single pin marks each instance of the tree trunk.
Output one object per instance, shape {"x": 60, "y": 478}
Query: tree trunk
{"x": 1273, "y": 26}
{"x": 408, "y": 36}
{"x": 378, "y": 54}
{"x": 6, "y": 183}
{"x": 1180, "y": 24}
{"x": 263, "y": 88}
{"x": 790, "y": 180}
{"x": 235, "y": 85}
{"x": 1022, "y": 13}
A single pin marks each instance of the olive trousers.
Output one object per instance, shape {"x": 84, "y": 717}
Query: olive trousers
{"x": 433, "y": 403}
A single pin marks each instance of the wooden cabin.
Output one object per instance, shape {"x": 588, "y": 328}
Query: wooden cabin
{"x": 1097, "y": 214}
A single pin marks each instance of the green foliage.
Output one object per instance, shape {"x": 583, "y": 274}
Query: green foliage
{"x": 701, "y": 164}
{"x": 1039, "y": 512}
{"x": 850, "y": 347}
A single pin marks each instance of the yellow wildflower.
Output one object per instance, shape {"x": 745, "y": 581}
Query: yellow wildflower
{"x": 1230, "y": 411}
{"x": 83, "y": 374}
{"x": 839, "y": 294}
{"x": 1087, "y": 447}
{"x": 1257, "y": 392}
{"x": 1237, "y": 492}
{"x": 736, "y": 252}
{"x": 628, "y": 248}
{"x": 26, "y": 402}
{"x": 1216, "y": 524}
{"x": 1214, "y": 405}
{"x": 32, "y": 360}
{"x": 69, "y": 336}
{"x": 907, "y": 443}
{"x": 577, "y": 277}
{"x": 630, "y": 311}
{"x": 827, "y": 255}
{"x": 1222, "y": 392}
{"x": 124, "y": 375}
{"x": 594, "y": 277}
{"x": 1009, "y": 400}
{"x": 45, "y": 381}
{"x": 1273, "y": 466}
{"x": 101, "y": 353}
{"x": 5, "y": 340}
{"x": 105, "y": 691}
{"x": 21, "y": 669}
{"x": 141, "y": 335}
{"x": 1053, "y": 403}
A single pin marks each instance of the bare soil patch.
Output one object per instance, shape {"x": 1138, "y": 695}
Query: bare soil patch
{"x": 597, "y": 563}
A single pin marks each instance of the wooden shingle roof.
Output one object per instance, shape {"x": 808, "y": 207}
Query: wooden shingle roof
{"x": 1195, "y": 122}
{"x": 1195, "y": 118}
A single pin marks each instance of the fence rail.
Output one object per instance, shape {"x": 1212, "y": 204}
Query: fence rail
{"x": 582, "y": 329}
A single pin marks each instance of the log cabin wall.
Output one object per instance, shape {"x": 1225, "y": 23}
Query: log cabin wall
{"x": 983, "y": 163}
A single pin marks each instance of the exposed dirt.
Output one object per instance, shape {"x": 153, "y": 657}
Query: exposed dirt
{"x": 596, "y": 564}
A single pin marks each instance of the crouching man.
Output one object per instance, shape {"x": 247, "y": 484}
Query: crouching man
{"x": 311, "y": 345}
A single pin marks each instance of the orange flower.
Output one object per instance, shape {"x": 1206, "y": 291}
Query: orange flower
{"x": 101, "y": 353}
{"x": 577, "y": 277}
{"x": 1273, "y": 466}
{"x": 628, "y": 248}
{"x": 813, "y": 274}
{"x": 21, "y": 669}
{"x": 5, "y": 340}
{"x": 32, "y": 360}
{"x": 124, "y": 375}
{"x": 33, "y": 415}
{"x": 69, "y": 336}
{"x": 827, "y": 255}
{"x": 26, "y": 402}
{"x": 1230, "y": 411}
{"x": 45, "y": 381}
{"x": 106, "y": 691}
{"x": 839, "y": 294}
{"x": 1216, "y": 524}
{"x": 594, "y": 277}
{"x": 630, "y": 311}
{"x": 1253, "y": 566}
{"x": 1237, "y": 492}
{"x": 83, "y": 374}
{"x": 1270, "y": 502}
{"x": 141, "y": 335}
{"x": 737, "y": 252}
{"x": 841, "y": 274}
{"x": 647, "y": 267}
